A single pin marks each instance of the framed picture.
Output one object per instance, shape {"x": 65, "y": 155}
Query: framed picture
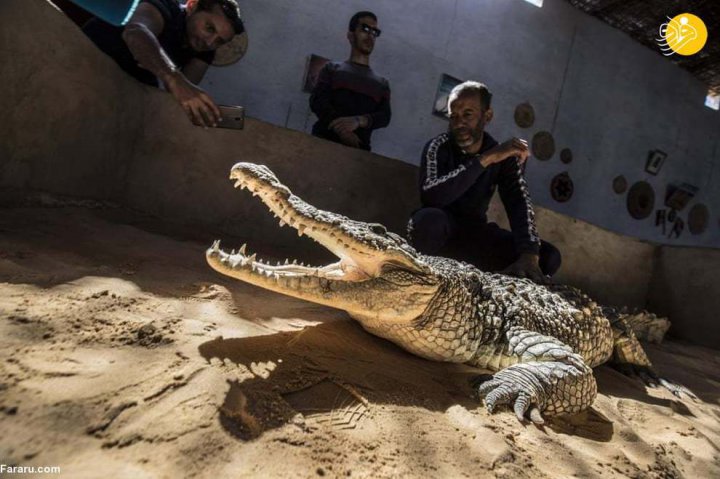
{"x": 447, "y": 83}
{"x": 655, "y": 160}
{"x": 312, "y": 70}
{"x": 678, "y": 195}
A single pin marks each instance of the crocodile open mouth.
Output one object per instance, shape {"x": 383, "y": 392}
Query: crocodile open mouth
{"x": 360, "y": 247}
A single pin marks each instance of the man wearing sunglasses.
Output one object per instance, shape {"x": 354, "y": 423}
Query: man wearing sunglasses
{"x": 460, "y": 171}
{"x": 165, "y": 42}
{"x": 349, "y": 98}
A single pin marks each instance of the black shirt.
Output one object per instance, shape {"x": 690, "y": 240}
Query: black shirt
{"x": 172, "y": 39}
{"x": 456, "y": 182}
{"x": 350, "y": 89}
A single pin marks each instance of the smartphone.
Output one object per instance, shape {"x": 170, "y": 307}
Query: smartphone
{"x": 232, "y": 117}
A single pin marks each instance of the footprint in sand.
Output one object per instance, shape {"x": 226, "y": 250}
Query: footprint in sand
{"x": 330, "y": 403}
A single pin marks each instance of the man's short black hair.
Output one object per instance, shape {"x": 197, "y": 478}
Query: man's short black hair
{"x": 229, "y": 7}
{"x": 356, "y": 19}
{"x": 472, "y": 88}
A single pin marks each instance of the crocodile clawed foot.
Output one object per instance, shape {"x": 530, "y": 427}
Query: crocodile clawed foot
{"x": 648, "y": 376}
{"x": 498, "y": 391}
{"x": 678, "y": 390}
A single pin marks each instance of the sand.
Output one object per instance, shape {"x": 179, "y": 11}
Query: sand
{"x": 122, "y": 354}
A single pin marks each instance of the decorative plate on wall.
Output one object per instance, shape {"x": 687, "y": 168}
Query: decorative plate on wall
{"x": 620, "y": 185}
{"x": 232, "y": 51}
{"x": 543, "y": 145}
{"x": 566, "y": 155}
{"x": 562, "y": 187}
{"x": 524, "y": 115}
{"x": 698, "y": 219}
{"x": 640, "y": 200}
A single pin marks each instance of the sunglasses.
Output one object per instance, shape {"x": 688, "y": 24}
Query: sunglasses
{"x": 371, "y": 30}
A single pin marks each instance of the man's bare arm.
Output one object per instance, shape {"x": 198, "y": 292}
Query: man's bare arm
{"x": 195, "y": 70}
{"x": 140, "y": 35}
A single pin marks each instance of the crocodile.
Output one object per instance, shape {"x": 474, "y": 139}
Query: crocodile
{"x": 540, "y": 341}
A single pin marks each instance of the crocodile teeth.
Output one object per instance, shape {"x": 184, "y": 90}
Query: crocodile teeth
{"x": 286, "y": 261}
{"x": 301, "y": 229}
{"x": 282, "y": 223}
{"x": 242, "y": 249}
{"x": 216, "y": 246}
{"x": 252, "y": 258}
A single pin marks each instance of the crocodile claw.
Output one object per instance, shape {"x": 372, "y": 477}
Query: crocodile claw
{"x": 650, "y": 378}
{"x": 500, "y": 392}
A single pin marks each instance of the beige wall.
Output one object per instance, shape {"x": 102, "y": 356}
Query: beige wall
{"x": 184, "y": 176}
{"x": 67, "y": 115}
{"x": 685, "y": 287}
{"x": 74, "y": 124}
{"x": 593, "y": 258}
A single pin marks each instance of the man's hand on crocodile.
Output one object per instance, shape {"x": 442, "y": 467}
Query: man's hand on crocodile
{"x": 527, "y": 266}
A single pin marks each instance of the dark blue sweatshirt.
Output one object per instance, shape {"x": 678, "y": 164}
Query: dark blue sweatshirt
{"x": 350, "y": 89}
{"x": 456, "y": 182}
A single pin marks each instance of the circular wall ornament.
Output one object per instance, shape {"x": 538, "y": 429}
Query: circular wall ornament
{"x": 524, "y": 115}
{"x": 698, "y": 219}
{"x": 232, "y": 51}
{"x": 620, "y": 185}
{"x": 562, "y": 187}
{"x": 640, "y": 200}
{"x": 543, "y": 145}
{"x": 566, "y": 155}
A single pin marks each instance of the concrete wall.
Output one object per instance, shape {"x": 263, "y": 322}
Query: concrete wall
{"x": 75, "y": 124}
{"x": 184, "y": 176}
{"x": 608, "y": 98}
{"x": 684, "y": 287}
{"x": 68, "y": 117}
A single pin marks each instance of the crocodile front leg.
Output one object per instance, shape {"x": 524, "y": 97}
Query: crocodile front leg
{"x": 548, "y": 379}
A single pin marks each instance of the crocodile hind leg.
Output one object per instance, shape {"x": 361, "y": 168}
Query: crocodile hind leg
{"x": 547, "y": 379}
{"x": 630, "y": 358}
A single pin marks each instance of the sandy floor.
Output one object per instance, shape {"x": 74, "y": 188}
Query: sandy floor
{"x": 123, "y": 355}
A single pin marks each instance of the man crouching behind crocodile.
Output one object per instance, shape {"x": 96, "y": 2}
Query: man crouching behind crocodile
{"x": 540, "y": 341}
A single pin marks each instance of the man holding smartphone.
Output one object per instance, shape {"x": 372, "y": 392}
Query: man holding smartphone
{"x": 171, "y": 44}
{"x": 349, "y": 98}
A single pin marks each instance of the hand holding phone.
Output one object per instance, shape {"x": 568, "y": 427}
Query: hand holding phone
{"x": 231, "y": 117}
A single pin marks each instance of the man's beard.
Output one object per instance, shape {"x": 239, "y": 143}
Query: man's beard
{"x": 465, "y": 137}
{"x": 365, "y": 48}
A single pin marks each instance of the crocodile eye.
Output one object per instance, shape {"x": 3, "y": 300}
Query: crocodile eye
{"x": 378, "y": 229}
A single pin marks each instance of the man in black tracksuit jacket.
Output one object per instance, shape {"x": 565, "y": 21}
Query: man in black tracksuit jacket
{"x": 459, "y": 172}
